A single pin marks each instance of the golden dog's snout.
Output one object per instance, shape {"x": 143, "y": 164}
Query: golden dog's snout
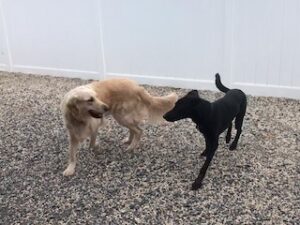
{"x": 105, "y": 108}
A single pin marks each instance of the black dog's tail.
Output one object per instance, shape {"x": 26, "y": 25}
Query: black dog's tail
{"x": 219, "y": 85}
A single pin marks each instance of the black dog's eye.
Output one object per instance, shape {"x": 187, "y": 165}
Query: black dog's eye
{"x": 90, "y": 99}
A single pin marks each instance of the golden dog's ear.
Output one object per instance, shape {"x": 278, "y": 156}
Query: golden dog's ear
{"x": 72, "y": 106}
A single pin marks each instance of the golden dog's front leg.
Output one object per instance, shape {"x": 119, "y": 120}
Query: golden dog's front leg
{"x": 95, "y": 126}
{"x": 72, "y": 157}
{"x": 93, "y": 140}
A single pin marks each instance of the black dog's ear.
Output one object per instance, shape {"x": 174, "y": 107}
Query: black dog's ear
{"x": 193, "y": 93}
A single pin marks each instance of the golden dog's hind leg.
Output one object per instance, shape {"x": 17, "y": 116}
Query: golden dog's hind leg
{"x": 72, "y": 157}
{"x": 128, "y": 140}
{"x": 137, "y": 133}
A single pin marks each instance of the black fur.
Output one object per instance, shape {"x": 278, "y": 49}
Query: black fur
{"x": 212, "y": 119}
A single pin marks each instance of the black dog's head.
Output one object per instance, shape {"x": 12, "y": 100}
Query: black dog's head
{"x": 183, "y": 107}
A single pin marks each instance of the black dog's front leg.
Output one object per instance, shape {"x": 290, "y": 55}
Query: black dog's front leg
{"x": 213, "y": 145}
{"x": 228, "y": 135}
{"x": 207, "y": 142}
{"x": 204, "y": 153}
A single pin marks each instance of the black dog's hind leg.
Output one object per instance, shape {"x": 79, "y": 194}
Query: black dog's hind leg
{"x": 228, "y": 135}
{"x": 238, "y": 126}
{"x": 213, "y": 145}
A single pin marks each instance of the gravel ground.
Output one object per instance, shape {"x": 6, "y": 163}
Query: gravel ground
{"x": 256, "y": 184}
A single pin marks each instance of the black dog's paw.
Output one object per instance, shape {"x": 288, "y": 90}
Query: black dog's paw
{"x": 204, "y": 154}
{"x": 232, "y": 147}
{"x": 196, "y": 185}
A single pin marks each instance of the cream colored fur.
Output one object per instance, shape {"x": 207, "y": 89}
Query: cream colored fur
{"x": 125, "y": 100}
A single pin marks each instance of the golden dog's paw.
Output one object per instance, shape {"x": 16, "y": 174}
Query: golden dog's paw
{"x": 132, "y": 147}
{"x": 94, "y": 147}
{"x": 126, "y": 141}
{"x": 69, "y": 171}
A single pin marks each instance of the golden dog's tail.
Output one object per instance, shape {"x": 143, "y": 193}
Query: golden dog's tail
{"x": 158, "y": 106}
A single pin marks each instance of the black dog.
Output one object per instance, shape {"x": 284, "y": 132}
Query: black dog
{"x": 212, "y": 119}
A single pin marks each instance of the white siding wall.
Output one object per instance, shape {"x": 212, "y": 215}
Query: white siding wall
{"x": 253, "y": 44}
{"x": 59, "y": 37}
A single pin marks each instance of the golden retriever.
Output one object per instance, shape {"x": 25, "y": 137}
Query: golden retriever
{"x": 84, "y": 108}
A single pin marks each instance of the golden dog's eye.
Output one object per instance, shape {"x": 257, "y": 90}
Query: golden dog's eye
{"x": 90, "y": 99}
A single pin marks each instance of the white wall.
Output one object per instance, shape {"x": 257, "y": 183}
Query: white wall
{"x": 266, "y": 46}
{"x": 253, "y": 44}
{"x": 4, "y": 56}
{"x": 59, "y": 37}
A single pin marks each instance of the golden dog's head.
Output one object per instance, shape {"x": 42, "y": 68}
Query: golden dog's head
{"x": 82, "y": 102}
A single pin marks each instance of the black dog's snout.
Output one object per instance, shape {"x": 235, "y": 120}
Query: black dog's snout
{"x": 166, "y": 116}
